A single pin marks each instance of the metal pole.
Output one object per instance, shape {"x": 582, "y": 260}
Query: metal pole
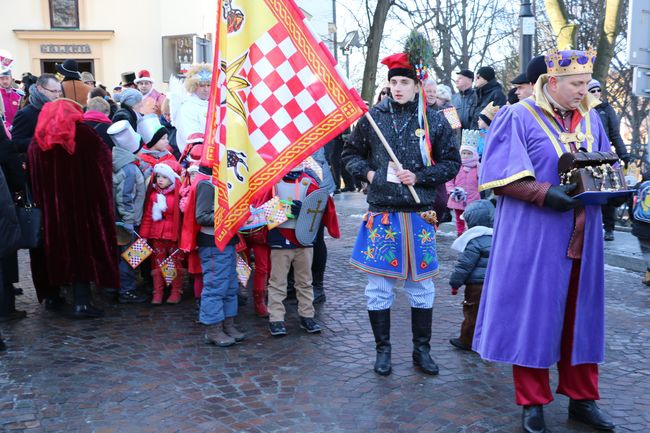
{"x": 347, "y": 63}
{"x": 526, "y": 34}
{"x": 334, "y": 42}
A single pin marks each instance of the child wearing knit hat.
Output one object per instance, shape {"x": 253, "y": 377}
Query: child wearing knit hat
{"x": 161, "y": 225}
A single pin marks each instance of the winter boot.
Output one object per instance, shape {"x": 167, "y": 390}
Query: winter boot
{"x": 216, "y": 335}
{"x": 229, "y": 328}
{"x": 260, "y": 304}
{"x": 470, "y": 311}
{"x": 177, "y": 288}
{"x": 158, "y": 287}
{"x": 319, "y": 292}
{"x": 421, "y": 327}
{"x": 380, "y": 322}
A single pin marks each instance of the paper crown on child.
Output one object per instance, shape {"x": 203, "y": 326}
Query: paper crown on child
{"x": 488, "y": 113}
{"x": 570, "y": 62}
{"x": 124, "y": 136}
{"x": 151, "y": 130}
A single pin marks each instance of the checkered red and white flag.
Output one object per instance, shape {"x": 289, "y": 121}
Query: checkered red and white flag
{"x": 276, "y": 98}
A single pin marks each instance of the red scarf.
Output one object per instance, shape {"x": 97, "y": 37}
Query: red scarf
{"x": 96, "y": 116}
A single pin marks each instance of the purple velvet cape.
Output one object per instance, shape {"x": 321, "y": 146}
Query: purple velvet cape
{"x": 526, "y": 285}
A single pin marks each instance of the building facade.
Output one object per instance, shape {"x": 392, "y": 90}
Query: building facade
{"x": 115, "y": 36}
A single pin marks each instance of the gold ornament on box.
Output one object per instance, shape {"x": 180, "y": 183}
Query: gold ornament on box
{"x": 570, "y": 62}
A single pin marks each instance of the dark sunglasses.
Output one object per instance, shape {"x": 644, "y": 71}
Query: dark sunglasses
{"x": 595, "y": 91}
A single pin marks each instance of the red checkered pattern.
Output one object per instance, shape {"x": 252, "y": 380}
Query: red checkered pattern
{"x": 137, "y": 253}
{"x": 285, "y": 99}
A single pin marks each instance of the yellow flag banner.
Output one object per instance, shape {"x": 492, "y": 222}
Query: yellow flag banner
{"x": 276, "y": 97}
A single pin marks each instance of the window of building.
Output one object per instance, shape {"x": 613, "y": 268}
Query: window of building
{"x": 64, "y": 14}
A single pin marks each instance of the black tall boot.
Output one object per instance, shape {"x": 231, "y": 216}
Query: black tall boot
{"x": 421, "y": 326}
{"x": 380, "y": 322}
{"x": 82, "y": 308}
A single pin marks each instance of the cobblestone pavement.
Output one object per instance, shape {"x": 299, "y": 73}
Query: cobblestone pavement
{"x": 145, "y": 369}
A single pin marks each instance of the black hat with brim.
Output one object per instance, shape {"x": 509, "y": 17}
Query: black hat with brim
{"x": 521, "y": 79}
{"x": 466, "y": 73}
{"x": 128, "y": 78}
{"x": 69, "y": 69}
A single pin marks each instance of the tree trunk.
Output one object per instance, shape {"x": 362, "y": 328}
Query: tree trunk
{"x": 607, "y": 40}
{"x": 373, "y": 44}
{"x": 565, "y": 31}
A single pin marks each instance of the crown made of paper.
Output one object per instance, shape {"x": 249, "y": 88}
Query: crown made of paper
{"x": 570, "y": 62}
{"x": 490, "y": 110}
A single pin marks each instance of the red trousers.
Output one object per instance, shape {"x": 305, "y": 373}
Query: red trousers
{"x": 460, "y": 224}
{"x": 579, "y": 382}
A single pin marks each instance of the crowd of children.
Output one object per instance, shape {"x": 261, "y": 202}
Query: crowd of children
{"x": 168, "y": 205}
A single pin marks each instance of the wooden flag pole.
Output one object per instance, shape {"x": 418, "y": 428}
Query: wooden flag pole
{"x": 391, "y": 154}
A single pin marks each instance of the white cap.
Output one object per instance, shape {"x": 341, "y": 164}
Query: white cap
{"x": 148, "y": 125}
{"x": 124, "y": 136}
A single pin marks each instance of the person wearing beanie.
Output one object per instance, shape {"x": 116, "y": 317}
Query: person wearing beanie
{"x": 535, "y": 69}
{"x": 465, "y": 100}
{"x": 612, "y": 126}
{"x": 523, "y": 87}
{"x": 128, "y": 195}
{"x": 463, "y": 189}
{"x": 129, "y": 100}
{"x": 156, "y": 146}
{"x": 474, "y": 247}
{"x": 161, "y": 226}
{"x": 488, "y": 90}
{"x": 428, "y": 160}
{"x": 443, "y": 97}
{"x": 544, "y": 289}
{"x": 150, "y": 96}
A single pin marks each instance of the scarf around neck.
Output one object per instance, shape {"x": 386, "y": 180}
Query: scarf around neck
{"x": 36, "y": 98}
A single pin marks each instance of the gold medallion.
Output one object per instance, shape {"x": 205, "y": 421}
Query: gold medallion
{"x": 419, "y": 132}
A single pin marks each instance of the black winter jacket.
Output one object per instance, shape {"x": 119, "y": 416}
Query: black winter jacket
{"x": 24, "y": 127}
{"x": 10, "y": 163}
{"x": 612, "y": 124}
{"x": 465, "y": 103}
{"x": 490, "y": 92}
{"x": 472, "y": 262}
{"x": 364, "y": 152}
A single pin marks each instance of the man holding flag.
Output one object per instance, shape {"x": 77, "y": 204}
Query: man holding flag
{"x": 396, "y": 240}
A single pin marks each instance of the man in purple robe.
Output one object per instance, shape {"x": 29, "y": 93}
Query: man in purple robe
{"x": 543, "y": 296}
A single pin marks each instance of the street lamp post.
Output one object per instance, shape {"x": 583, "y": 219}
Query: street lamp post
{"x": 526, "y": 34}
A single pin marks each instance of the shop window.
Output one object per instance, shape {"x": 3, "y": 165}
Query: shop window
{"x": 64, "y": 14}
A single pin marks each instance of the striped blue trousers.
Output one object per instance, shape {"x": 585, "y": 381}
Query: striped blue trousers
{"x": 380, "y": 292}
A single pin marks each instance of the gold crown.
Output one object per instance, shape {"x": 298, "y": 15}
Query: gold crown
{"x": 490, "y": 110}
{"x": 570, "y": 62}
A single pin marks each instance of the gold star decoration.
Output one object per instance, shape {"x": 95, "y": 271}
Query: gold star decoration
{"x": 370, "y": 253}
{"x": 234, "y": 83}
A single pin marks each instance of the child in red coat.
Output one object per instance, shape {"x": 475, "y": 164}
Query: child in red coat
{"x": 161, "y": 225}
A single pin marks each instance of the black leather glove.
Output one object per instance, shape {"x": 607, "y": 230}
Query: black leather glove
{"x": 618, "y": 201}
{"x": 295, "y": 207}
{"x": 558, "y": 198}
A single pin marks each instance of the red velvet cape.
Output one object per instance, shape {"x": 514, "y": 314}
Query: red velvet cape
{"x": 75, "y": 194}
